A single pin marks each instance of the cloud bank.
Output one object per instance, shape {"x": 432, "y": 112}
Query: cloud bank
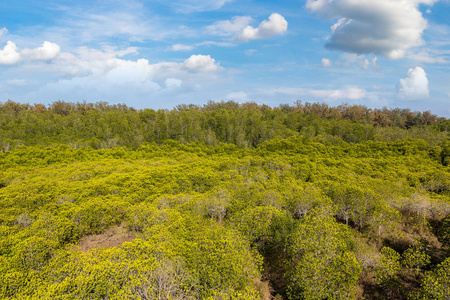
{"x": 382, "y": 27}
{"x": 99, "y": 75}
{"x": 94, "y": 74}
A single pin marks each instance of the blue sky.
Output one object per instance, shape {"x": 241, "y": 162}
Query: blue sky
{"x": 157, "y": 54}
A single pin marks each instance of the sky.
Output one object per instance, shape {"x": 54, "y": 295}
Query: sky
{"x": 158, "y": 54}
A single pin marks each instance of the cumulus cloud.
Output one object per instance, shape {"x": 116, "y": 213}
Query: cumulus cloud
{"x": 93, "y": 74}
{"x": 229, "y": 27}
{"x": 326, "y": 62}
{"x": 47, "y": 51}
{"x": 200, "y": 63}
{"x": 105, "y": 71}
{"x": 276, "y": 24}
{"x": 107, "y": 63}
{"x": 239, "y": 27}
{"x": 414, "y": 86}
{"x": 382, "y": 27}
{"x": 10, "y": 54}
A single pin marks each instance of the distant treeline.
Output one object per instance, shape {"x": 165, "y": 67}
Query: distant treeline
{"x": 102, "y": 125}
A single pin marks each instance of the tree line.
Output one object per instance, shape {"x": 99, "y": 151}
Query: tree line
{"x": 101, "y": 125}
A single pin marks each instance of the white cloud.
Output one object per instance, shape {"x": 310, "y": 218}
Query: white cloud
{"x": 382, "y": 27}
{"x": 276, "y": 24}
{"x": 200, "y": 63}
{"x": 326, "y": 62}
{"x": 229, "y": 27}
{"x": 181, "y": 47}
{"x": 10, "y": 54}
{"x": 94, "y": 74}
{"x": 414, "y": 86}
{"x": 172, "y": 82}
{"x": 47, "y": 51}
{"x": 86, "y": 62}
{"x": 105, "y": 67}
{"x": 429, "y": 57}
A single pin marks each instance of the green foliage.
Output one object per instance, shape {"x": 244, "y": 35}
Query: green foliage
{"x": 257, "y": 223}
{"x": 322, "y": 265}
{"x": 415, "y": 257}
{"x": 436, "y": 284}
{"x": 387, "y": 274}
{"x": 101, "y": 125}
{"x": 223, "y": 201}
{"x": 445, "y": 153}
{"x": 444, "y": 232}
{"x": 96, "y": 216}
{"x": 390, "y": 264}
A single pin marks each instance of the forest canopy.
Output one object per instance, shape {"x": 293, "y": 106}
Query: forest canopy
{"x": 223, "y": 201}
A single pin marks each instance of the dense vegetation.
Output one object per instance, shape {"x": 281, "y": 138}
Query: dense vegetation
{"x": 223, "y": 201}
